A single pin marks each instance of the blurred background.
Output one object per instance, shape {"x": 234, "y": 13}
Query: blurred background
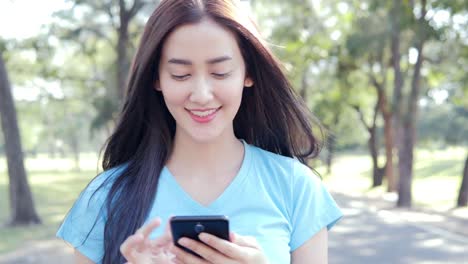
{"x": 388, "y": 80}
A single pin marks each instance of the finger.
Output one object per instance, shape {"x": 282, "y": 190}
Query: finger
{"x": 163, "y": 257}
{"x": 227, "y": 248}
{"x": 131, "y": 243}
{"x": 206, "y": 252}
{"x": 149, "y": 227}
{"x": 231, "y": 250}
{"x": 167, "y": 229}
{"x": 185, "y": 257}
{"x": 245, "y": 241}
{"x": 165, "y": 240}
{"x": 232, "y": 236}
{"x": 176, "y": 261}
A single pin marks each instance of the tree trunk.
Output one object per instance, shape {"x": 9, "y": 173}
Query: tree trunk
{"x": 388, "y": 134}
{"x": 405, "y": 166}
{"x": 373, "y": 147}
{"x": 123, "y": 62}
{"x": 330, "y": 153}
{"x": 409, "y": 123}
{"x": 74, "y": 142}
{"x": 21, "y": 202}
{"x": 377, "y": 176}
{"x": 332, "y": 143}
{"x": 398, "y": 76}
{"x": 463, "y": 193}
{"x": 384, "y": 108}
{"x": 372, "y": 143}
{"x": 397, "y": 83}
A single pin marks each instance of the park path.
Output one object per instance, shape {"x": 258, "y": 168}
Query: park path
{"x": 375, "y": 232}
{"x": 372, "y": 231}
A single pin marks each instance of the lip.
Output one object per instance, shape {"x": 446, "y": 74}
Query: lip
{"x": 204, "y": 119}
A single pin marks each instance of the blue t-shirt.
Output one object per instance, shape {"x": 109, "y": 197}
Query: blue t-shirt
{"x": 275, "y": 199}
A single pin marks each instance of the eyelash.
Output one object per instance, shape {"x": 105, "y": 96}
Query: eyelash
{"x": 180, "y": 77}
{"x": 216, "y": 75}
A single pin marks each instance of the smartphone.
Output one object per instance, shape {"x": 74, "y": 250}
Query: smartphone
{"x": 192, "y": 226}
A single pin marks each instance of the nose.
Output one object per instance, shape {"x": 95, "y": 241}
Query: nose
{"x": 202, "y": 92}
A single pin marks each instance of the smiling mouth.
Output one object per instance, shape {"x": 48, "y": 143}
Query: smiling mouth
{"x": 203, "y": 112}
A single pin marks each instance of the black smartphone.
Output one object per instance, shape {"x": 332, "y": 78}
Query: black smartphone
{"x": 192, "y": 226}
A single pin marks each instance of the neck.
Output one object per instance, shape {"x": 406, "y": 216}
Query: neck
{"x": 205, "y": 159}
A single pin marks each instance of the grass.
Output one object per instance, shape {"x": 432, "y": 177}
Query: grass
{"x": 55, "y": 186}
{"x": 436, "y": 176}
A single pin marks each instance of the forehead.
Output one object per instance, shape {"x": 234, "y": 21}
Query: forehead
{"x": 204, "y": 40}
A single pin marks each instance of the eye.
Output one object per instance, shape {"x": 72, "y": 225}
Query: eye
{"x": 180, "y": 77}
{"x": 221, "y": 75}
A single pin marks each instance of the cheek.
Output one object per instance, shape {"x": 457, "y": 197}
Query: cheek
{"x": 173, "y": 95}
{"x": 231, "y": 90}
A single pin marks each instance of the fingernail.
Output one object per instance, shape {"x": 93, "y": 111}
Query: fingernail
{"x": 183, "y": 242}
{"x": 203, "y": 237}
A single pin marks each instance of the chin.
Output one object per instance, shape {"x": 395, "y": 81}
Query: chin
{"x": 205, "y": 138}
{"x": 203, "y": 135}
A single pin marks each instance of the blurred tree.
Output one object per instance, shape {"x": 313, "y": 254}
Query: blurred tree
{"x": 367, "y": 47}
{"x": 305, "y": 37}
{"x": 409, "y": 118}
{"x": 443, "y": 124}
{"x": 21, "y": 201}
{"x": 53, "y": 97}
{"x": 384, "y": 53}
{"x": 411, "y": 19}
{"x": 418, "y": 20}
{"x": 92, "y": 22}
{"x": 463, "y": 192}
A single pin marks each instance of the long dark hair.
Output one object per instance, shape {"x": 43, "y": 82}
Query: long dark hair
{"x": 271, "y": 115}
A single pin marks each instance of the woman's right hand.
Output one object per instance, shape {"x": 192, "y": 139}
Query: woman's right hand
{"x": 139, "y": 249}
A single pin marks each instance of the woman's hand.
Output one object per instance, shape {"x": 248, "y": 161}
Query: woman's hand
{"x": 139, "y": 249}
{"x": 241, "y": 249}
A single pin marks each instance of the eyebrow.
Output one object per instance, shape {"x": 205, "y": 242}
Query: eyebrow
{"x": 210, "y": 61}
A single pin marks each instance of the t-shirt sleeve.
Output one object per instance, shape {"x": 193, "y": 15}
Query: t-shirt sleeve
{"x": 83, "y": 227}
{"x": 313, "y": 208}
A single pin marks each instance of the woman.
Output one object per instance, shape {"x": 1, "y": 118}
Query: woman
{"x": 210, "y": 125}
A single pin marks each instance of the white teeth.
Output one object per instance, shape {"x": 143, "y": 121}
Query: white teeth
{"x": 203, "y": 113}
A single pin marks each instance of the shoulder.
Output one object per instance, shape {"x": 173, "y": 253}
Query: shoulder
{"x": 106, "y": 178}
{"x": 281, "y": 166}
{"x": 100, "y": 186}
{"x": 90, "y": 203}
{"x": 83, "y": 226}
{"x": 271, "y": 160}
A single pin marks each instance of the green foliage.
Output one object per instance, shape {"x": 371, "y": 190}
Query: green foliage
{"x": 91, "y": 28}
{"x": 106, "y": 109}
{"x": 329, "y": 49}
{"x": 443, "y": 124}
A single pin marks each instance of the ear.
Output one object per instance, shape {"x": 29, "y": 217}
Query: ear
{"x": 248, "y": 82}
{"x": 157, "y": 86}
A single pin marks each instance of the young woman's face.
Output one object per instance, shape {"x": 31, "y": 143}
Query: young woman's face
{"x": 201, "y": 76}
